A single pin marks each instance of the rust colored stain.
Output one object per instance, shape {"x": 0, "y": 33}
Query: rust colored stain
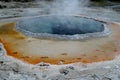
{"x": 11, "y": 40}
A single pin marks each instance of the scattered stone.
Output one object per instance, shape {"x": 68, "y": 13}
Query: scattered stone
{"x": 95, "y": 77}
{"x": 64, "y": 71}
{"x": 43, "y": 64}
{"x": 13, "y": 70}
{"x": 2, "y": 6}
{"x": 61, "y": 62}
{"x": 71, "y": 67}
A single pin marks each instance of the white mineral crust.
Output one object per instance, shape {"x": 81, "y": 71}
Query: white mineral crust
{"x": 13, "y": 69}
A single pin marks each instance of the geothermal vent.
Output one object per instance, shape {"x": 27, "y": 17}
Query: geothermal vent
{"x": 62, "y": 27}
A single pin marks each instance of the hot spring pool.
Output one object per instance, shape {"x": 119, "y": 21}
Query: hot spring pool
{"x": 62, "y": 27}
{"x": 24, "y": 40}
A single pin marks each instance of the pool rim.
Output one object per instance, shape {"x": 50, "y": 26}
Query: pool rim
{"x": 105, "y": 32}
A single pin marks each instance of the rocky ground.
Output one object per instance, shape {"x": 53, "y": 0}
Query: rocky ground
{"x": 20, "y": 9}
{"x": 34, "y": 4}
{"x": 13, "y": 69}
{"x": 106, "y": 14}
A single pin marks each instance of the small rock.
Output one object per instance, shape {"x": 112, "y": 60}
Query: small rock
{"x": 43, "y": 64}
{"x": 1, "y": 62}
{"x": 105, "y": 78}
{"x": 64, "y": 71}
{"x": 71, "y": 68}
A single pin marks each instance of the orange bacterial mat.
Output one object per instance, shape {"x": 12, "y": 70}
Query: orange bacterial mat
{"x": 34, "y": 50}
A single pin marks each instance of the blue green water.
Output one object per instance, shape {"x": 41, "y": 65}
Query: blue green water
{"x": 62, "y": 25}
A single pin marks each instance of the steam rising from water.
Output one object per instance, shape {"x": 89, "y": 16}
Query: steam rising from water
{"x": 65, "y": 7}
{"x": 63, "y": 27}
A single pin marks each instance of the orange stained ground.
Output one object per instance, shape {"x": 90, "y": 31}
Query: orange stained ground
{"x": 33, "y": 50}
